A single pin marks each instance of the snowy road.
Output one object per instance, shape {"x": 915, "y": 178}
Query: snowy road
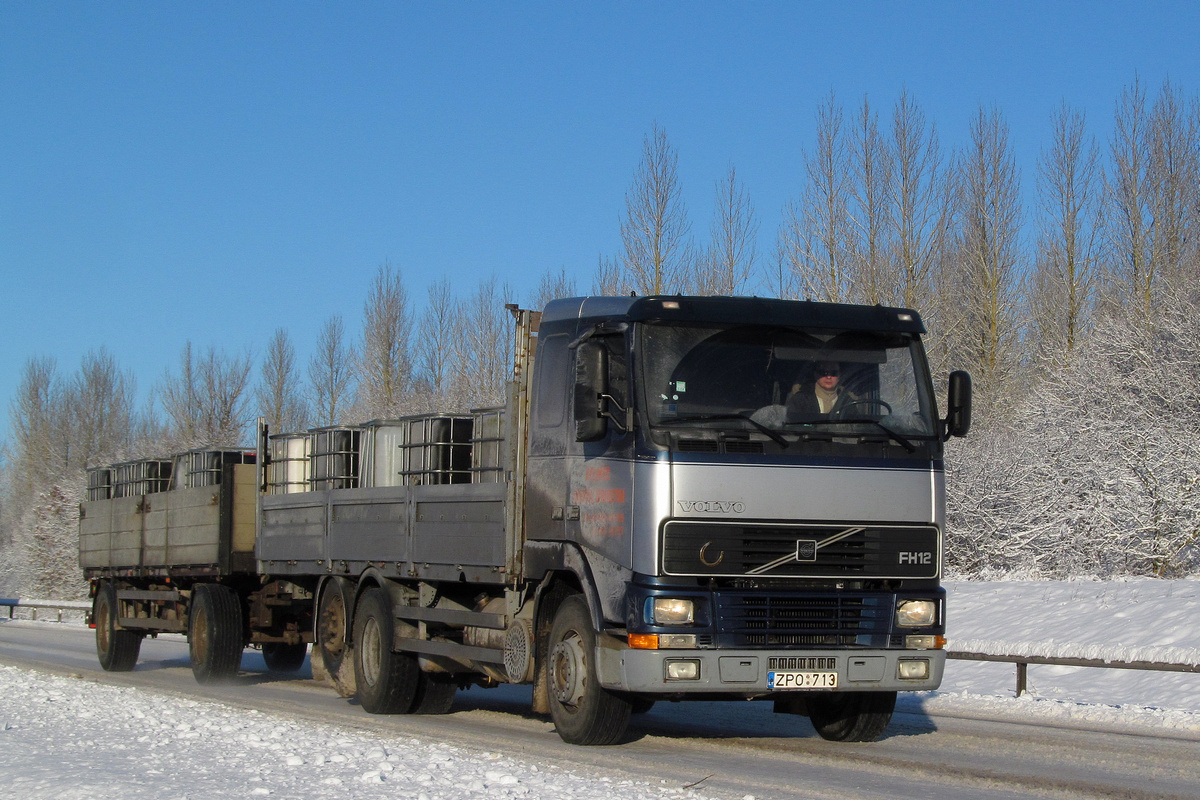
{"x": 731, "y": 750}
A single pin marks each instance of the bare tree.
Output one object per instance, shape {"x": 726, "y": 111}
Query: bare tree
{"x": 385, "y": 364}
{"x": 434, "y": 346}
{"x": 101, "y": 402}
{"x": 921, "y": 204}
{"x": 1062, "y": 288}
{"x": 814, "y": 231}
{"x": 609, "y": 278}
{"x": 330, "y": 373}
{"x": 280, "y": 393}
{"x": 990, "y": 253}
{"x": 655, "y": 227}
{"x": 553, "y": 287}
{"x": 1154, "y": 201}
{"x": 870, "y": 231}
{"x": 483, "y": 350}
{"x": 207, "y": 400}
{"x": 726, "y": 267}
{"x": 39, "y": 424}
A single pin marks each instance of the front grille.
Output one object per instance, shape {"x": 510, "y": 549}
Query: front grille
{"x": 801, "y": 662}
{"x": 800, "y": 551}
{"x": 824, "y": 620}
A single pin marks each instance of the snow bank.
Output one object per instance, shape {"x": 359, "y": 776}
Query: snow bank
{"x": 71, "y": 739}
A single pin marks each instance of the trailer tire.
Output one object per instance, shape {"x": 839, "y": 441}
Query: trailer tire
{"x": 283, "y": 657}
{"x": 215, "y": 638}
{"x": 435, "y": 694}
{"x": 332, "y": 640}
{"x": 583, "y": 711}
{"x": 851, "y": 716}
{"x": 116, "y": 647}
{"x": 385, "y": 681}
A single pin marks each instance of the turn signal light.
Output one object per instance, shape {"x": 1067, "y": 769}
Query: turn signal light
{"x": 643, "y": 641}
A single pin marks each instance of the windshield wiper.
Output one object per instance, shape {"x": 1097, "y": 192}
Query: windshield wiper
{"x": 895, "y": 437}
{"x": 774, "y": 435}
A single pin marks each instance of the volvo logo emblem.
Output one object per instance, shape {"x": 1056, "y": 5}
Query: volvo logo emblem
{"x": 704, "y": 559}
{"x": 713, "y": 506}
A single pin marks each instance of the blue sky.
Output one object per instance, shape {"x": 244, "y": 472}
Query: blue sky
{"x": 213, "y": 171}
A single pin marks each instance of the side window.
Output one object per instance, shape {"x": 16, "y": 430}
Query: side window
{"x": 553, "y": 385}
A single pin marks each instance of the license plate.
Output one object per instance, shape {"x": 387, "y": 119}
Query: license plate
{"x": 801, "y": 680}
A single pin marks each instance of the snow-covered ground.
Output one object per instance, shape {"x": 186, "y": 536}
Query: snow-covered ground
{"x": 59, "y": 737}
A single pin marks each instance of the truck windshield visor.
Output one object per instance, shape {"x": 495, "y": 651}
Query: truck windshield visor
{"x": 785, "y": 379}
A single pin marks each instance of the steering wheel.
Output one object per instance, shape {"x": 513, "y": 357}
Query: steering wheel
{"x": 852, "y": 403}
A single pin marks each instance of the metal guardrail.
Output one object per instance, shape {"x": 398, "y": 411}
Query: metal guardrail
{"x": 59, "y": 606}
{"x": 1023, "y": 663}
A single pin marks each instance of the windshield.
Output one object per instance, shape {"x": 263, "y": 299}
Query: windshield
{"x": 780, "y": 379}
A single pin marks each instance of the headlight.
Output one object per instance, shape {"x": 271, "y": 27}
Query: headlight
{"x": 916, "y": 613}
{"x": 672, "y": 611}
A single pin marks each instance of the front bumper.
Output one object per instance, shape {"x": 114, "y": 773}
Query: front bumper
{"x": 743, "y": 673}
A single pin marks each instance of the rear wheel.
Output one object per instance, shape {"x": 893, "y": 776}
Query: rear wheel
{"x": 282, "y": 657}
{"x": 332, "y": 645}
{"x": 215, "y": 639}
{"x": 385, "y": 681}
{"x": 435, "y": 694}
{"x": 583, "y": 711}
{"x": 117, "y": 648}
{"x": 851, "y": 716}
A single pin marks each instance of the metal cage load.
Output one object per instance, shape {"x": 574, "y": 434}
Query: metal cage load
{"x": 333, "y": 457}
{"x": 487, "y": 439}
{"x": 288, "y": 468}
{"x": 99, "y": 483}
{"x": 202, "y": 467}
{"x": 136, "y": 478}
{"x": 422, "y": 450}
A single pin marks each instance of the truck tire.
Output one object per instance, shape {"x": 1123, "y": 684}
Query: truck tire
{"x": 385, "y": 681}
{"x": 117, "y": 648}
{"x": 215, "y": 639}
{"x": 583, "y": 711}
{"x": 435, "y": 694}
{"x": 851, "y": 716}
{"x": 283, "y": 657}
{"x": 332, "y": 646}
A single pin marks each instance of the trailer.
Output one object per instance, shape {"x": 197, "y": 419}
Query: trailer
{"x": 682, "y": 498}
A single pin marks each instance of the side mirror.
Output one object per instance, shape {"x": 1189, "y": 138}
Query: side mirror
{"x": 591, "y": 381}
{"x": 958, "y": 402}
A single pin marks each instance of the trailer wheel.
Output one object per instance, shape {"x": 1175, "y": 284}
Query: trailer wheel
{"x": 282, "y": 657}
{"x": 332, "y": 645}
{"x": 117, "y": 648}
{"x": 386, "y": 681}
{"x": 851, "y": 716}
{"x": 582, "y": 710}
{"x": 435, "y": 694}
{"x": 215, "y": 633}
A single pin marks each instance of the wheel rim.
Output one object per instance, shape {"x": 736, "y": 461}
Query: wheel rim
{"x": 568, "y": 669}
{"x": 371, "y": 651}
{"x": 333, "y": 626}
{"x": 103, "y": 626}
{"x": 200, "y": 633}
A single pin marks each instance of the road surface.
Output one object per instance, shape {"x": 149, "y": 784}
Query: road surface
{"x": 721, "y": 749}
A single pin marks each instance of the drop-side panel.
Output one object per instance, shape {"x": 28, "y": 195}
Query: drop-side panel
{"x": 459, "y": 525}
{"x": 369, "y": 525}
{"x": 128, "y": 517}
{"x": 95, "y": 534}
{"x": 192, "y": 528}
{"x": 293, "y": 527}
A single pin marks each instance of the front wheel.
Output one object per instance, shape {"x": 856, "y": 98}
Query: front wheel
{"x": 117, "y": 648}
{"x": 215, "y": 640}
{"x": 851, "y": 716}
{"x": 332, "y": 641}
{"x": 583, "y": 711}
